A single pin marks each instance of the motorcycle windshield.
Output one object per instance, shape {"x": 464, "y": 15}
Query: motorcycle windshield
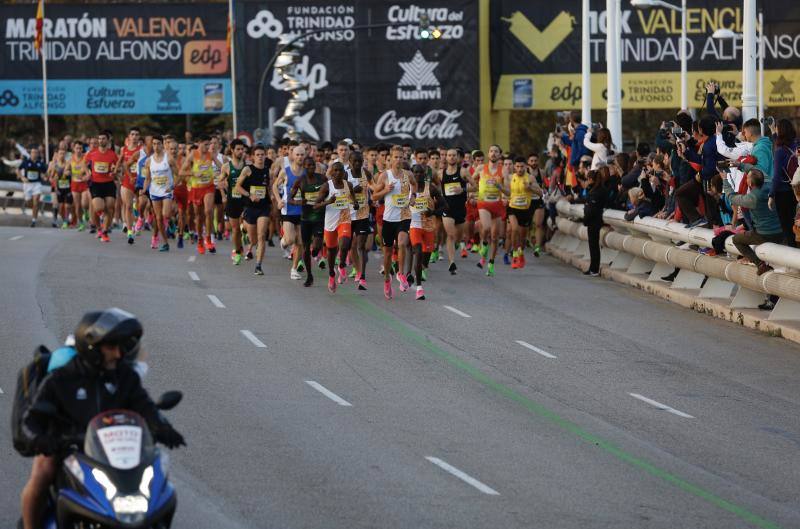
{"x": 119, "y": 439}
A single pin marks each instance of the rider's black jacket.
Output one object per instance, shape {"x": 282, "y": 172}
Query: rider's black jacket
{"x": 79, "y": 392}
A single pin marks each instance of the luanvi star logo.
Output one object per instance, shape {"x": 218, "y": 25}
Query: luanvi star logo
{"x": 418, "y": 73}
{"x": 168, "y": 99}
{"x": 782, "y": 87}
{"x": 541, "y": 43}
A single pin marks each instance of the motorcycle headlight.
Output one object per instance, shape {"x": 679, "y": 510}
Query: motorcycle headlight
{"x": 130, "y": 509}
{"x": 104, "y": 482}
{"x": 144, "y": 485}
{"x": 74, "y": 468}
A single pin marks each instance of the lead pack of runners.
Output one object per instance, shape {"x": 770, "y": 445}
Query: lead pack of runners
{"x": 329, "y": 205}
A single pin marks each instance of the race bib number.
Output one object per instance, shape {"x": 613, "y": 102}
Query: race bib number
{"x": 361, "y": 199}
{"x": 400, "y": 201}
{"x": 491, "y": 196}
{"x": 235, "y": 194}
{"x": 101, "y": 167}
{"x": 452, "y": 188}
{"x": 160, "y": 180}
{"x": 342, "y": 202}
{"x": 132, "y": 168}
{"x": 420, "y": 205}
{"x": 312, "y": 197}
{"x": 63, "y": 183}
{"x": 520, "y": 202}
{"x": 258, "y": 192}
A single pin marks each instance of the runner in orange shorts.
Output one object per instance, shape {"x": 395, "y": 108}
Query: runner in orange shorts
{"x": 490, "y": 207}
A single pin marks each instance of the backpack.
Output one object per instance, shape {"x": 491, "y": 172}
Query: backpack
{"x": 28, "y": 381}
{"x": 791, "y": 167}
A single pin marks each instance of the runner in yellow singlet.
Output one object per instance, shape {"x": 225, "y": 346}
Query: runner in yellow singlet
{"x": 521, "y": 188}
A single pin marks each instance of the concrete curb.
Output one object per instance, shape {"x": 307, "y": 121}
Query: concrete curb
{"x": 750, "y": 318}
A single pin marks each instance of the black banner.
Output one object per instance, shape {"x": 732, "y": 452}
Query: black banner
{"x": 384, "y": 84}
{"x": 116, "y": 41}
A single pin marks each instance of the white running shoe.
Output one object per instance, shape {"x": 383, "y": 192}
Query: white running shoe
{"x": 294, "y": 274}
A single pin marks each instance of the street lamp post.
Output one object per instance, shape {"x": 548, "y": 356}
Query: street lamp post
{"x": 682, "y": 46}
{"x": 613, "y": 106}
{"x": 586, "y": 68}
{"x": 749, "y": 60}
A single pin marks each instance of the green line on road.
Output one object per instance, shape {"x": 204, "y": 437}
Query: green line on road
{"x": 376, "y": 312}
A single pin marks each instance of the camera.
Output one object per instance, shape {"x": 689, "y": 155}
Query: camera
{"x": 769, "y": 121}
{"x": 724, "y": 166}
{"x": 677, "y": 131}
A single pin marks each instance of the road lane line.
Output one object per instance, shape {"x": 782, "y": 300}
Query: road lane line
{"x": 191, "y": 258}
{"x": 486, "y": 489}
{"x": 16, "y": 237}
{"x": 328, "y": 393}
{"x": 660, "y": 406}
{"x": 1, "y": 391}
{"x": 456, "y": 311}
{"x": 535, "y": 349}
{"x": 252, "y": 337}
{"x": 194, "y": 276}
{"x": 215, "y": 300}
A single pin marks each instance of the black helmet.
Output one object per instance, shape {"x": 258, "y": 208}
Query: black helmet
{"x": 111, "y": 326}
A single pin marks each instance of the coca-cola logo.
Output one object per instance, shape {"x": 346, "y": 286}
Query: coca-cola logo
{"x": 435, "y": 125}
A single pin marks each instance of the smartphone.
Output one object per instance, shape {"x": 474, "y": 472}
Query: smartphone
{"x": 677, "y": 132}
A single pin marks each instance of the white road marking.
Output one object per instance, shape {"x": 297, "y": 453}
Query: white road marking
{"x": 660, "y": 406}
{"x": 215, "y": 300}
{"x": 16, "y": 237}
{"x": 328, "y": 393}
{"x": 486, "y": 489}
{"x": 535, "y": 349}
{"x": 194, "y": 276}
{"x": 191, "y": 258}
{"x": 456, "y": 311}
{"x": 1, "y": 391}
{"x": 252, "y": 337}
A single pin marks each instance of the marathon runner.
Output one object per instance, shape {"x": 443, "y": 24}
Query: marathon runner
{"x": 160, "y": 173}
{"x": 362, "y": 182}
{"x": 79, "y": 185}
{"x": 130, "y": 154}
{"x": 429, "y": 201}
{"x": 180, "y": 192}
{"x": 290, "y": 211}
{"x": 312, "y": 219}
{"x": 101, "y": 165}
{"x": 490, "y": 207}
{"x": 220, "y": 198}
{"x": 59, "y": 176}
{"x": 537, "y": 204}
{"x": 235, "y": 205}
{"x": 338, "y": 198}
{"x": 520, "y": 188}
{"x": 398, "y": 189}
{"x": 253, "y": 184}
{"x": 31, "y": 171}
{"x": 201, "y": 162}
{"x": 456, "y": 182}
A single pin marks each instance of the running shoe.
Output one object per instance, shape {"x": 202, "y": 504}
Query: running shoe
{"x": 139, "y": 225}
{"x": 463, "y": 252}
{"x": 210, "y": 245}
{"x": 352, "y": 274}
{"x": 473, "y": 247}
{"x": 287, "y": 254}
{"x": 342, "y": 276}
{"x": 309, "y": 281}
{"x": 187, "y": 236}
{"x": 453, "y": 269}
{"x": 64, "y": 225}
{"x": 131, "y": 240}
{"x": 514, "y": 262}
{"x": 54, "y": 224}
{"x": 81, "y": 226}
{"x": 381, "y": 270}
{"x": 258, "y": 271}
{"x": 362, "y": 284}
{"x": 104, "y": 237}
{"x": 201, "y": 247}
{"x": 331, "y": 285}
{"x": 506, "y": 259}
{"x": 270, "y": 243}
{"x": 387, "y": 289}
{"x": 301, "y": 266}
{"x": 490, "y": 270}
{"x": 484, "y": 250}
{"x": 248, "y": 256}
{"x": 411, "y": 278}
{"x": 180, "y": 243}
{"x": 153, "y": 242}
{"x": 237, "y": 259}
{"x": 537, "y": 251}
{"x": 92, "y": 229}
{"x": 434, "y": 256}
{"x": 401, "y": 278}
{"x": 164, "y": 247}
{"x": 294, "y": 274}
{"x": 424, "y": 274}
{"x": 226, "y": 235}
{"x": 481, "y": 263}
{"x": 322, "y": 264}
{"x": 420, "y": 294}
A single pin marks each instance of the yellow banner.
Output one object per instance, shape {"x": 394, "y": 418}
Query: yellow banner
{"x": 639, "y": 90}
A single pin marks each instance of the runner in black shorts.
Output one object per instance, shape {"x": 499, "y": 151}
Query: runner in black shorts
{"x": 312, "y": 220}
{"x": 229, "y": 174}
{"x": 537, "y": 204}
{"x": 253, "y": 184}
{"x": 456, "y": 181}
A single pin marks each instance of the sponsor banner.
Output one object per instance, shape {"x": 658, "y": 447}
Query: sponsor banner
{"x": 536, "y": 50}
{"x": 384, "y": 84}
{"x": 125, "y": 41}
{"x": 117, "y": 96}
{"x": 639, "y": 90}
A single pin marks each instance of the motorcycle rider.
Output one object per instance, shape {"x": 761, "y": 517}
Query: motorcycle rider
{"x": 96, "y": 380}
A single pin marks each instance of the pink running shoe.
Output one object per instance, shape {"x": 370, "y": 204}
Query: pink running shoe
{"x": 420, "y": 293}
{"x": 362, "y": 284}
{"x": 401, "y": 278}
{"x": 342, "y": 276}
{"x": 387, "y": 289}
{"x": 331, "y": 285}
{"x": 154, "y": 242}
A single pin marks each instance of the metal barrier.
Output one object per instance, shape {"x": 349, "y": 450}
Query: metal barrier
{"x": 13, "y": 205}
{"x": 650, "y": 246}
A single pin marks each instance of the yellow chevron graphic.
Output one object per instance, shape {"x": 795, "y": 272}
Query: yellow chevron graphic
{"x": 541, "y": 43}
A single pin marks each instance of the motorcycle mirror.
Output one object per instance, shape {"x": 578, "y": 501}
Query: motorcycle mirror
{"x": 45, "y": 408}
{"x": 169, "y": 400}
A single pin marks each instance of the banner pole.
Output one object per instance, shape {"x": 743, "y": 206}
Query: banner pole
{"x": 233, "y": 66}
{"x": 43, "y": 55}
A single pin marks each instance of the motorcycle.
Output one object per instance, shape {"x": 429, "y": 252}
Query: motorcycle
{"x": 119, "y": 480}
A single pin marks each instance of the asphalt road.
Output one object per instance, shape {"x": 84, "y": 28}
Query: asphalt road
{"x": 542, "y": 399}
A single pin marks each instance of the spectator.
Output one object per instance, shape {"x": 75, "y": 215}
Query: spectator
{"x": 641, "y": 205}
{"x": 704, "y": 160}
{"x": 594, "y": 204}
{"x": 574, "y": 138}
{"x": 781, "y": 196}
{"x": 766, "y": 225}
{"x": 601, "y": 149}
{"x": 762, "y": 150}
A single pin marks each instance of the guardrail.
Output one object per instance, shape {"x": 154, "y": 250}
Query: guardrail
{"x": 657, "y": 247}
{"x": 13, "y": 205}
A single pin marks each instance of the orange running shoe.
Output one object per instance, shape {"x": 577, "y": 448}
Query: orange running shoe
{"x": 201, "y": 248}
{"x": 515, "y": 262}
{"x": 210, "y": 245}
{"x": 104, "y": 237}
